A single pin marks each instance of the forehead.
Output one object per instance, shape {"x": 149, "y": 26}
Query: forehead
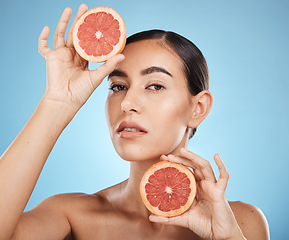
{"x": 146, "y": 53}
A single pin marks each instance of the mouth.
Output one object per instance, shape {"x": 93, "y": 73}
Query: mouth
{"x": 130, "y": 130}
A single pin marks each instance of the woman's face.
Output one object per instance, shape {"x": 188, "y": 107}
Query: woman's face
{"x": 148, "y": 105}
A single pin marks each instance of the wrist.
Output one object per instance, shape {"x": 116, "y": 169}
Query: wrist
{"x": 56, "y": 112}
{"x": 226, "y": 217}
{"x": 238, "y": 236}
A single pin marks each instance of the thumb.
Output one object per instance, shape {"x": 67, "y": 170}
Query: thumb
{"x": 97, "y": 75}
{"x": 178, "y": 221}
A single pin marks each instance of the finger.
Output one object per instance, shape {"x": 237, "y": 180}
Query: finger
{"x": 181, "y": 160}
{"x": 42, "y": 42}
{"x": 164, "y": 158}
{"x": 198, "y": 174}
{"x": 61, "y": 28}
{"x": 169, "y": 221}
{"x": 96, "y": 76}
{"x": 224, "y": 175}
{"x": 81, "y": 10}
{"x": 188, "y": 163}
{"x": 203, "y": 165}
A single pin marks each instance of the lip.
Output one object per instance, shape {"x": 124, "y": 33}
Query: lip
{"x": 128, "y": 134}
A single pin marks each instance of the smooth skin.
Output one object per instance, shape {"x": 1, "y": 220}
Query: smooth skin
{"x": 116, "y": 212}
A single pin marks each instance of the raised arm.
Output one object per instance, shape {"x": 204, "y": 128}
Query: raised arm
{"x": 69, "y": 85}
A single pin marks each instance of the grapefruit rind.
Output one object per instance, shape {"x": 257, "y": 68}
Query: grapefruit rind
{"x": 181, "y": 168}
{"x": 116, "y": 49}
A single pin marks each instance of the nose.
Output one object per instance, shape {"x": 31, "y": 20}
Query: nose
{"x": 131, "y": 102}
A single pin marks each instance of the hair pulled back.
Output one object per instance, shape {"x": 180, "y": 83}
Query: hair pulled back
{"x": 195, "y": 65}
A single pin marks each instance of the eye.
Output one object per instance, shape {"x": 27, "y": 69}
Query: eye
{"x": 117, "y": 87}
{"x": 155, "y": 87}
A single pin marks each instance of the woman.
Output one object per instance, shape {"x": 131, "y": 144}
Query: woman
{"x": 155, "y": 102}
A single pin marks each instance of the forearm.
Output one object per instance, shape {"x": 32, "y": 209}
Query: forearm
{"x": 21, "y": 164}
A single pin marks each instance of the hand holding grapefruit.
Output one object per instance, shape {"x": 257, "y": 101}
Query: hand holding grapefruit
{"x": 69, "y": 81}
{"x": 210, "y": 215}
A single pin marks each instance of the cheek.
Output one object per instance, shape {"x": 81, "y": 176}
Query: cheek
{"x": 107, "y": 110}
{"x": 110, "y": 112}
{"x": 172, "y": 119}
{"x": 173, "y": 112}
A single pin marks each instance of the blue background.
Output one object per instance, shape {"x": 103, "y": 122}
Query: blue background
{"x": 246, "y": 47}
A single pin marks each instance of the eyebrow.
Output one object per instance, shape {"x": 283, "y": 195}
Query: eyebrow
{"x": 154, "y": 69}
{"x": 144, "y": 72}
{"x": 117, "y": 73}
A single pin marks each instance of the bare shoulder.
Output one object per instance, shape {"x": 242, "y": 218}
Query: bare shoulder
{"x": 71, "y": 205}
{"x": 64, "y": 203}
{"x": 251, "y": 220}
{"x": 54, "y": 214}
{"x": 68, "y": 200}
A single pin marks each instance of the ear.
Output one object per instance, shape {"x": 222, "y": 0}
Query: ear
{"x": 202, "y": 104}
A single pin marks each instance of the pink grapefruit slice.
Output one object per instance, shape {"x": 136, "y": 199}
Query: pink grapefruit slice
{"x": 99, "y": 34}
{"x": 168, "y": 189}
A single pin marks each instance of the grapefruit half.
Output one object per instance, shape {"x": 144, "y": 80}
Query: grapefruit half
{"x": 168, "y": 189}
{"x": 99, "y": 34}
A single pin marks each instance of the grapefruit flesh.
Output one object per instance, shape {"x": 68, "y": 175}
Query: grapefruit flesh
{"x": 99, "y": 34}
{"x": 168, "y": 189}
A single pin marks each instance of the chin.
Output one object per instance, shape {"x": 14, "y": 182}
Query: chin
{"x": 141, "y": 152}
{"x": 137, "y": 154}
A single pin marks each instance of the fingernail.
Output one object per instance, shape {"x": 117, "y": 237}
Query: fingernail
{"x": 151, "y": 218}
{"x": 184, "y": 149}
